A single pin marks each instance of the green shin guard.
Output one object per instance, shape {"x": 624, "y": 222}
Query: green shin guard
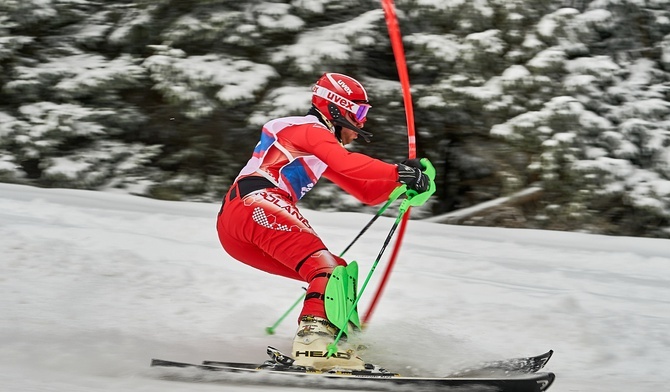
{"x": 341, "y": 295}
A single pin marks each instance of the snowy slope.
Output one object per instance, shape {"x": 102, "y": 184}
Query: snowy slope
{"x": 93, "y": 285}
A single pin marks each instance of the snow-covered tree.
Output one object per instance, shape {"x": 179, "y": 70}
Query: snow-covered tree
{"x": 556, "y": 81}
{"x": 602, "y": 148}
{"x": 166, "y": 98}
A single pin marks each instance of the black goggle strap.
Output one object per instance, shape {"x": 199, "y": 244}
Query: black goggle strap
{"x": 338, "y": 119}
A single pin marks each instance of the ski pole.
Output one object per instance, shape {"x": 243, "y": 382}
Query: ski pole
{"x": 271, "y": 330}
{"x": 393, "y": 197}
{"x": 404, "y": 206}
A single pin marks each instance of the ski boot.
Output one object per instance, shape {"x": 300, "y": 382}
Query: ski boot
{"x": 310, "y": 347}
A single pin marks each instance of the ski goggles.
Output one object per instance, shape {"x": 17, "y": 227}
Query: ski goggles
{"x": 359, "y": 110}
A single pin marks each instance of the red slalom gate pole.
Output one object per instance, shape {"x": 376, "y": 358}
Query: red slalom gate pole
{"x": 401, "y": 64}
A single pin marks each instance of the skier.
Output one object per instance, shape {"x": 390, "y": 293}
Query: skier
{"x": 260, "y": 225}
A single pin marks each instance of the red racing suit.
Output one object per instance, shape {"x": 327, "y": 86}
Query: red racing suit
{"x": 259, "y": 223}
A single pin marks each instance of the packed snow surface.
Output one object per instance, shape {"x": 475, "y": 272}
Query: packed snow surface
{"x": 95, "y": 284}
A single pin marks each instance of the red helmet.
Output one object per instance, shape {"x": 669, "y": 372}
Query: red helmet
{"x": 335, "y": 95}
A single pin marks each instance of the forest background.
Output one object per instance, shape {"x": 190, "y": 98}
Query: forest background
{"x": 564, "y": 102}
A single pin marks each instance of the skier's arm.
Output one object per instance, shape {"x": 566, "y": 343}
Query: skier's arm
{"x": 369, "y": 180}
{"x": 370, "y": 192}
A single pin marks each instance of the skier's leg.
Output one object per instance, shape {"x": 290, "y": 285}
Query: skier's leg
{"x": 315, "y": 330}
{"x": 266, "y": 231}
{"x": 317, "y": 269}
{"x": 253, "y": 256}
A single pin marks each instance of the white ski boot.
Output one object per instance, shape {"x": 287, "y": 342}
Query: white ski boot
{"x": 310, "y": 347}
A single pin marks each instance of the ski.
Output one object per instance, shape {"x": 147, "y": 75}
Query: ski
{"x": 279, "y": 370}
{"x": 512, "y": 365}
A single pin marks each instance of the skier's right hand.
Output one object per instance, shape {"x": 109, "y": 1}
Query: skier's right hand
{"x": 413, "y": 177}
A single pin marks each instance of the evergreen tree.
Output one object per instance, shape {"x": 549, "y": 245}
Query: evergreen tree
{"x": 166, "y": 98}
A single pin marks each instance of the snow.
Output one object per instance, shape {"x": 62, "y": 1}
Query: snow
{"x": 547, "y": 58}
{"x": 459, "y": 215}
{"x": 328, "y": 42}
{"x": 277, "y": 16}
{"x": 315, "y": 6}
{"x": 488, "y": 91}
{"x": 665, "y": 50}
{"x": 547, "y": 26}
{"x": 66, "y": 167}
{"x": 515, "y": 73}
{"x": 532, "y": 42}
{"x": 488, "y": 41}
{"x": 187, "y": 79}
{"x": 444, "y": 46}
{"x": 86, "y": 72}
{"x": 285, "y": 101}
{"x": 441, "y": 4}
{"x": 7, "y": 164}
{"x": 95, "y": 284}
{"x": 238, "y": 79}
{"x": 595, "y": 65}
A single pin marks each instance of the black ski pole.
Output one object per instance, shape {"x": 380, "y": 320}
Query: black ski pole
{"x": 412, "y": 199}
{"x": 393, "y": 197}
{"x": 332, "y": 347}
